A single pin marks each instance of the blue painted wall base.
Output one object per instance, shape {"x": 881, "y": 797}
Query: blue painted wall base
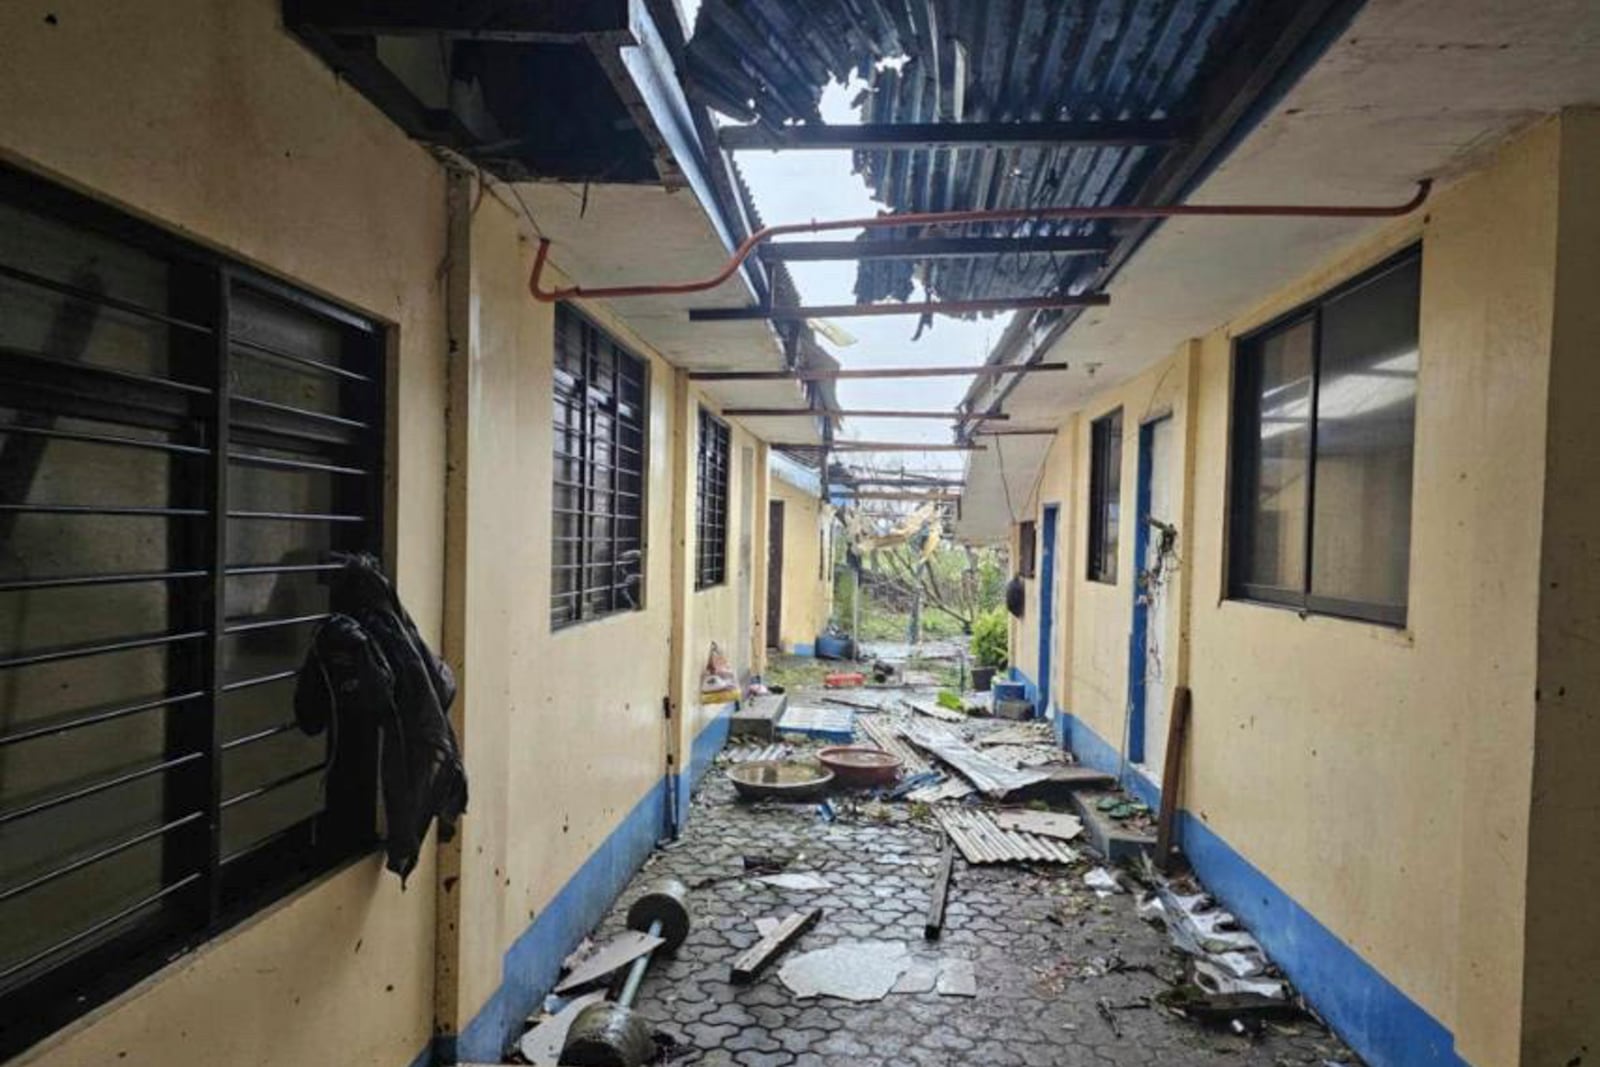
{"x": 532, "y": 964}
{"x": 1374, "y": 1016}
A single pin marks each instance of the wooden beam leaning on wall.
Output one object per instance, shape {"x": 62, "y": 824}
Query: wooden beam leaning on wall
{"x": 1171, "y": 775}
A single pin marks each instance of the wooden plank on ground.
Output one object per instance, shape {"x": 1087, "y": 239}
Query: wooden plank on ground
{"x": 753, "y": 960}
{"x": 939, "y": 893}
{"x": 1171, "y": 773}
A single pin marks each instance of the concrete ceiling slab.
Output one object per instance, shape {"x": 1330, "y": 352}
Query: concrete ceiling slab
{"x": 606, "y": 235}
{"x": 999, "y": 482}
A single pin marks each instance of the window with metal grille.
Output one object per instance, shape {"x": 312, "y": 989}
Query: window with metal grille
{"x": 597, "y": 532}
{"x": 182, "y": 445}
{"x": 1105, "y": 496}
{"x": 1325, "y": 403}
{"x": 711, "y": 503}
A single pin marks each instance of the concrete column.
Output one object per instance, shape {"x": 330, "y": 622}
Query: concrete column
{"x": 458, "y": 326}
{"x": 1561, "y": 987}
{"x": 683, "y": 679}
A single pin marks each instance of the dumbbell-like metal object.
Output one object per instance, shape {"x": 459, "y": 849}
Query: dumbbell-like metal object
{"x": 609, "y": 1034}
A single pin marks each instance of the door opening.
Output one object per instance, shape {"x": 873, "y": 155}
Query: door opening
{"x": 774, "y": 574}
{"x": 1149, "y": 687}
{"x": 1047, "y": 603}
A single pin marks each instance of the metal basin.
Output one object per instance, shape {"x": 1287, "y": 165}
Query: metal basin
{"x": 857, "y": 766}
{"x": 778, "y": 779}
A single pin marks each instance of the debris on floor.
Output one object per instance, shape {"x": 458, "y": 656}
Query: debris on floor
{"x": 778, "y": 936}
{"x": 827, "y": 724}
{"x": 981, "y": 841}
{"x": 991, "y": 777}
{"x": 1103, "y": 882}
{"x": 851, "y": 970}
{"x": 798, "y": 880}
{"x": 542, "y": 1043}
{"x": 871, "y": 970}
{"x": 1041, "y": 823}
{"x": 756, "y": 753}
{"x": 1076, "y": 962}
{"x": 606, "y": 959}
{"x": 935, "y": 711}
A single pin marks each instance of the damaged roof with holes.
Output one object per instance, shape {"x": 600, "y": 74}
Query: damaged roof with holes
{"x": 1100, "y": 61}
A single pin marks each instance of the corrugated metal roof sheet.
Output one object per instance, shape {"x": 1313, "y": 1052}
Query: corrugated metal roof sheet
{"x": 970, "y": 61}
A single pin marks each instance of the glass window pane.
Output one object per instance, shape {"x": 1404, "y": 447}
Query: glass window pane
{"x": 1273, "y": 475}
{"x": 1366, "y": 414}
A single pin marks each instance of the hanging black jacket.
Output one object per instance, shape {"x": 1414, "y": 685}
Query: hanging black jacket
{"x": 369, "y": 671}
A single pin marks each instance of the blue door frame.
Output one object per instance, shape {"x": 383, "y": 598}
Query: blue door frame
{"x": 1138, "y": 645}
{"x": 1047, "y": 602}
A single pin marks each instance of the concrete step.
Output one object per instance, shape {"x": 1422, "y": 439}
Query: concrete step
{"x": 757, "y": 718}
{"x": 1112, "y": 839}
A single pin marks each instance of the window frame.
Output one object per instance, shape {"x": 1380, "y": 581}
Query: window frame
{"x": 221, "y": 890}
{"x": 1105, "y": 488}
{"x": 1304, "y": 602}
{"x": 591, "y": 398}
{"x": 713, "y": 485}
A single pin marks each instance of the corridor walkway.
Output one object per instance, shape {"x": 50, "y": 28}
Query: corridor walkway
{"x": 1063, "y": 977}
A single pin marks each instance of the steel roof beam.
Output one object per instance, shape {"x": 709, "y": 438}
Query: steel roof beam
{"x": 879, "y": 135}
{"x": 946, "y": 307}
{"x": 873, "y": 446}
{"x": 822, "y": 374}
{"x": 520, "y": 21}
{"x": 868, "y": 413}
{"x": 937, "y": 498}
{"x": 935, "y": 248}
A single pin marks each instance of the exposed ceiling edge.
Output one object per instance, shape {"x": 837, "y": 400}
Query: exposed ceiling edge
{"x": 1233, "y": 112}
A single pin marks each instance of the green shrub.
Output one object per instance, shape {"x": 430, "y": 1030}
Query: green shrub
{"x": 991, "y": 638}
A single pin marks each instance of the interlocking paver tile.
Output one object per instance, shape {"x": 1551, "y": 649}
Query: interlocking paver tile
{"x": 1041, "y": 969}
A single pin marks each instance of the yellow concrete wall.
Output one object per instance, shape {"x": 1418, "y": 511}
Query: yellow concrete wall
{"x": 218, "y": 126}
{"x": 1372, "y": 747}
{"x": 807, "y": 599}
{"x": 712, "y": 614}
{"x": 1053, "y": 487}
{"x": 1355, "y": 764}
{"x": 562, "y": 729}
{"x": 1089, "y": 657}
{"x": 1561, "y": 1000}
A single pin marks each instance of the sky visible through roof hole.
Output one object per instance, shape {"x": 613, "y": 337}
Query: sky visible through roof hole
{"x": 801, "y": 186}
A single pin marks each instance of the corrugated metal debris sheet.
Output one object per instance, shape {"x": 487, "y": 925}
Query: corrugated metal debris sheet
{"x": 971, "y": 61}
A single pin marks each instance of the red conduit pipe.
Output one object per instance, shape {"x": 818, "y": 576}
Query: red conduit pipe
{"x": 946, "y": 218}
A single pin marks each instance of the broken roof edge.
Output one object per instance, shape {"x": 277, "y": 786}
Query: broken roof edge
{"x": 654, "y": 63}
{"x": 1333, "y": 23}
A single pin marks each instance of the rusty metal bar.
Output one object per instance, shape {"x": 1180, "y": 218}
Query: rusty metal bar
{"x": 859, "y": 413}
{"x": 952, "y": 218}
{"x": 874, "y": 446}
{"x": 821, "y": 374}
{"x": 937, "y": 498}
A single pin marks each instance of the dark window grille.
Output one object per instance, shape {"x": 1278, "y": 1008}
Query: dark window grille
{"x": 1105, "y": 496}
{"x": 1027, "y": 548}
{"x": 597, "y": 543}
{"x": 711, "y": 508}
{"x": 1323, "y": 428}
{"x": 182, "y": 444}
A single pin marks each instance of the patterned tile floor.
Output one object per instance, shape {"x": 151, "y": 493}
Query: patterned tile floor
{"x": 1047, "y": 952}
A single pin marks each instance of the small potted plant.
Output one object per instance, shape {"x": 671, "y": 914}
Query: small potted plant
{"x": 991, "y": 635}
